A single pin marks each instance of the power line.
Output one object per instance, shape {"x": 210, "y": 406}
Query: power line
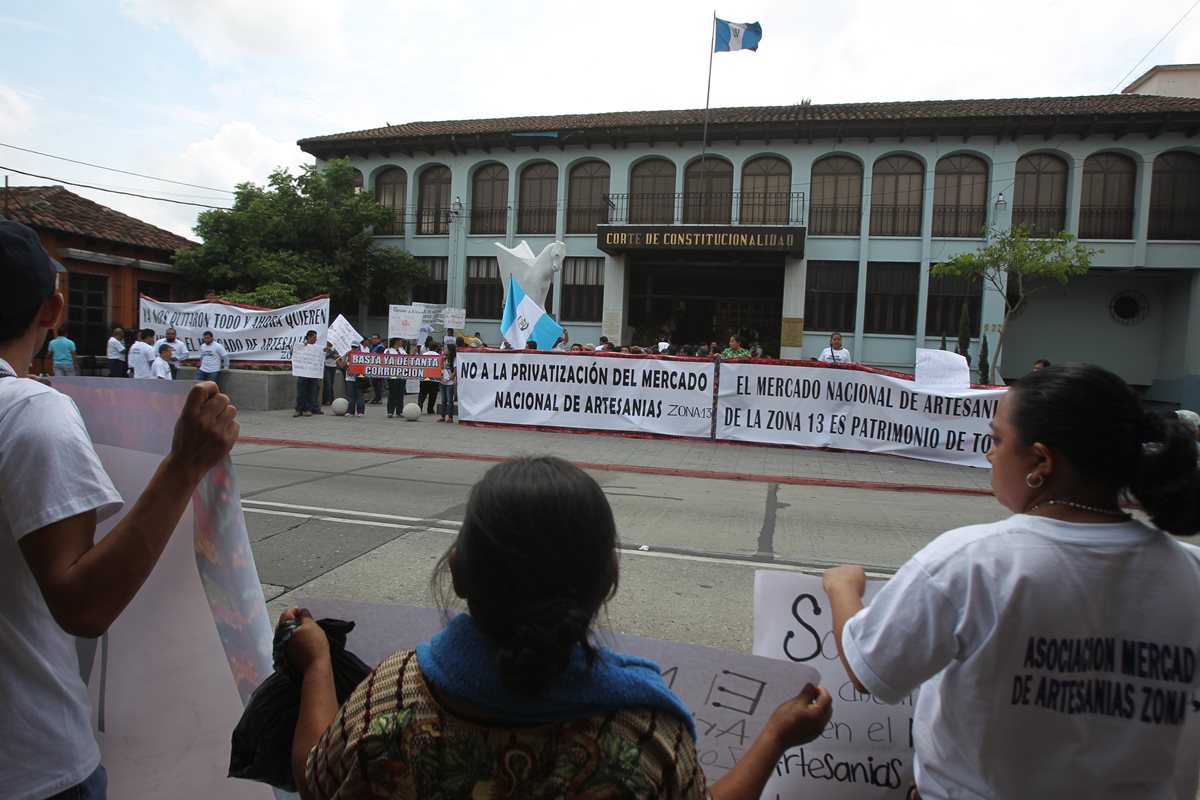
{"x": 114, "y": 169}
{"x": 1156, "y": 44}
{"x": 112, "y": 191}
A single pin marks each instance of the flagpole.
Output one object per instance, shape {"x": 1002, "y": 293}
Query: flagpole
{"x": 712, "y": 46}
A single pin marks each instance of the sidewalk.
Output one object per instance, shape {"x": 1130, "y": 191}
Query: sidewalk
{"x": 375, "y": 432}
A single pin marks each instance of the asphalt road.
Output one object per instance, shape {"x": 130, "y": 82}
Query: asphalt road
{"x": 372, "y": 526}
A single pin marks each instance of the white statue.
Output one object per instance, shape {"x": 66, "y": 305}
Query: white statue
{"x": 534, "y": 273}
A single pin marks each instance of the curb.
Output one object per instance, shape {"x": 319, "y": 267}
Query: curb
{"x": 790, "y": 480}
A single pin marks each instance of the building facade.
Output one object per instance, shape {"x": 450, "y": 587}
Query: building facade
{"x": 799, "y": 221}
{"x": 110, "y": 258}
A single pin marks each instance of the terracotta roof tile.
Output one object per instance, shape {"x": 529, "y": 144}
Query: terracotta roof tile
{"x": 859, "y": 112}
{"x": 56, "y": 209}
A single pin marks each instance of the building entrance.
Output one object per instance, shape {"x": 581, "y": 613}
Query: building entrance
{"x": 697, "y": 298}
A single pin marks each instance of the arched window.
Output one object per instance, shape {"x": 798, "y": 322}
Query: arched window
{"x": 652, "y": 192}
{"x": 587, "y": 192}
{"x": 766, "y": 191}
{"x": 1040, "y": 193}
{"x": 433, "y": 201}
{"x": 1106, "y": 207}
{"x": 358, "y": 179}
{"x": 960, "y": 191}
{"x": 837, "y": 187}
{"x": 897, "y": 183}
{"x": 489, "y": 199}
{"x": 1175, "y": 197}
{"x": 708, "y": 192}
{"x": 391, "y": 188}
{"x": 538, "y": 204}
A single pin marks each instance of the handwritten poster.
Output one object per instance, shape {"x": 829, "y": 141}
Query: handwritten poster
{"x": 308, "y": 360}
{"x": 866, "y": 750}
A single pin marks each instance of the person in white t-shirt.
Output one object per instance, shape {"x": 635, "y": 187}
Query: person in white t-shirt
{"x": 161, "y": 368}
{"x": 114, "y": 352}
{"x": 1055, "y": 651}
{"x": 179, "y": 351}
{"x": 57, "y": 581}
{"x": 395, "y": 386}
{"x": 141, "y": 355}
{"x": 214, "y": 359}
{"x": 835, "y": 353}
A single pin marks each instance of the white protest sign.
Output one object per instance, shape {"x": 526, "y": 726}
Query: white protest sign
{"x": 248, "y": 334}
{"x": 854, "y": 409}
{"x": 169, "y": 679}
{"x": 342, "y": 335}
{"x": 404, "y": 322}
{"x": 439, "y": 315}
{"x": 731, "y": 695}
{"x": 308, "y": 360}
{"x": 866, "y": 750}
{"x": 569, "y": 390}
{"x": 941, "y": 369}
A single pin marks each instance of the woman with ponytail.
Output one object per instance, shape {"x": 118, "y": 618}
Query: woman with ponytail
{"x": 512, "y": 699}
{"x": 1056, "y": 650}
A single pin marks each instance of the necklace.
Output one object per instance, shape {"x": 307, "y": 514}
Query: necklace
{"x": 1070, "y": 504}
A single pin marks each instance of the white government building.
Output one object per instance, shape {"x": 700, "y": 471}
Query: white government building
{"x": 797, "y": 221}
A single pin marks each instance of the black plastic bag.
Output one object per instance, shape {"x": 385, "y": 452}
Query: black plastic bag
{"x": 261, "y": 749}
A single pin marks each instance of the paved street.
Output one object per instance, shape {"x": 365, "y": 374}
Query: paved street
{"x": 363, "y": 508}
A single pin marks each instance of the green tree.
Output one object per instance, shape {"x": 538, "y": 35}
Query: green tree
{"x": 963, "y": 348}
{"x": 1016, "y": 263}
{"x": 270, "y": 295}
{"x": 301, "y": 236}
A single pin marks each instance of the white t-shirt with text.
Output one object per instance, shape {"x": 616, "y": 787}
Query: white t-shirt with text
{"x": 141, "y": 356}
{"x": 179, "y": 350}
{"x": 1054, "y": 659}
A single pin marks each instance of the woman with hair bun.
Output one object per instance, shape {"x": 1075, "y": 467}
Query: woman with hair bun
{"x": 512, "y": 699}
{"x": 1055, "y": 650}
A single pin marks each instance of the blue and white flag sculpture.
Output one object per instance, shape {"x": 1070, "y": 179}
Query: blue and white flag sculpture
{"x": 525, "y": 321}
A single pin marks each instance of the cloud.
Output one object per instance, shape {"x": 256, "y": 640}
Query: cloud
{"x": 234, "y": 30}
{"x": 237, "y": 153}
{"x": 16, "y": 115}
{"x": 8, "y": 23}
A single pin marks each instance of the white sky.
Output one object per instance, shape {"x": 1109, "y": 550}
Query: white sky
{"x": 216, "y": 92}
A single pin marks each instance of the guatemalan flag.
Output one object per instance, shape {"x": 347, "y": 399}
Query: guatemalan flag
{"x": 737, "y": 36}
{"x": 525, "y": 321}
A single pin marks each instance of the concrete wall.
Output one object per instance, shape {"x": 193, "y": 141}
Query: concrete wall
{"x": 258, "y": 390}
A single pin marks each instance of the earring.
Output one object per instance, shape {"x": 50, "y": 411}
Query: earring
{"x": 1034, "y": 481}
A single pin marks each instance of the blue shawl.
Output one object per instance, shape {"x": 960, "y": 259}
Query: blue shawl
{"x": 461, "y": 661}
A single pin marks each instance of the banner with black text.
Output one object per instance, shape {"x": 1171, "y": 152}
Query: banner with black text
{"x": 586, "y": 391}
{"x": 247, "y": 333}
{"x": 854, "y": 409}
